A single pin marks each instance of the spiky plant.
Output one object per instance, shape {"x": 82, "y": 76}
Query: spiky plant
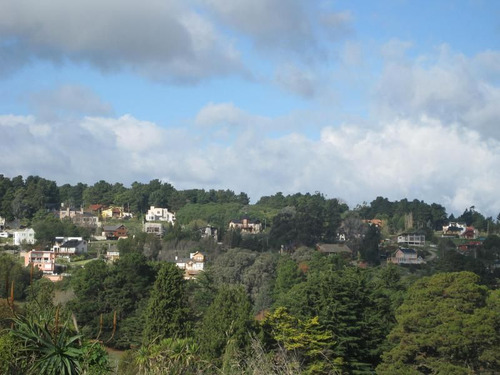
{"x": 49, "y": 350}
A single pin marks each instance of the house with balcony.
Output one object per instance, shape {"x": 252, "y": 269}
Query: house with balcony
{"x": 44, "y": 260}
{"x": 412, "y": 239}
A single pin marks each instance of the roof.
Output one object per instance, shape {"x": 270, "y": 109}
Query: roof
{"x": 71, "y": 243}
{"x": 333, "y": 248}
{"x": 108, "y": 228}
{"x": 408, "y": 251}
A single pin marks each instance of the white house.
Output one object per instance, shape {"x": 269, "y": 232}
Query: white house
{"x": 454, "y": 228}
{"x": 412, "y": 239}
{"x": 2, "y": 223}
{"x": 70, "y": 245}
{"x": 25, "y": 236}
{"x": 160, "y": 214}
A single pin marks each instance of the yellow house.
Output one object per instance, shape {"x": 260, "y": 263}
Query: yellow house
{"x": 112, "y": 212}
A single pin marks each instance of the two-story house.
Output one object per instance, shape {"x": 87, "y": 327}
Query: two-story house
{"x": 412, "y": 239}
{"x": 154, "y": 228}
{"x": 69, "y": 245}
{"x": 246, "y": 225}
{"x": 44, "y": 260}
{"x": 25, "y": 236}
{"x": 160, "y": 214}
{"x": 192, "y": 266}
{"x": 113, "y": 232}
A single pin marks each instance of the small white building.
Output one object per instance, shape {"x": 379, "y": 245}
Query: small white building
{"x": 2, "y": 223}
{"x": 160, "y": 214}
{"x": 25, "y": 236}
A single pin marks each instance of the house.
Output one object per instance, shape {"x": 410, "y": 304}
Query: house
{"x": 454, "y": 228}
{"x": 70, "y": 245}
{"x": 406, "y": 256}
{"x": 412, "y": 239}
{"x": 192, "y": 266}
{"x": 246, "y": 225}
{"x": 154, "y": 228}
{"x": 376, "y": 222}
{"x": 209, "y": 232}
{"x": 112, "y": 255}
{"x": 334, "y": 248}
{"x": 112, "y": 212}
{"x": 86, "y": 219}
{"x": 2, "y": 223}
{"x": 25, "y": 236}
{"x": 96, "y": 208}
{"x": 468, "y": 246}
{"x": 44, "y": 260}
{"x": 113, "y": 232}
{"x": 160, "y": 214}
{"x": 470, "y": 233}
{"x": 80, "y": 217}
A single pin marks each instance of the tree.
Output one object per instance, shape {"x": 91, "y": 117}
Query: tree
{"x": 166, "y": 314}
{"x": 307, "y": 340}
{"x": 226, "y": 324}
{"x": 448, "y": 324}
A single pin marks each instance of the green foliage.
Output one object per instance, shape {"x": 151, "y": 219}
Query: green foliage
{"x": 45, "y": 347}
{"x": 449, "y": 324}
{"x": 122, "y": 288}
{"x": 166, "y": 314}
{"x": 175, "y": 356}
{"x": 12, "y": 271}
{"x": 307, "y": 340}
{"x": 351, "y": 304}
{"x": 226, "y": 325}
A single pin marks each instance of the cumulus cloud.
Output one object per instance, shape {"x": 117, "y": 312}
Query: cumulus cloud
{"x": 446, "y": 86}
{"x": 163, "y": 40}
{"x": 423, "y": 159}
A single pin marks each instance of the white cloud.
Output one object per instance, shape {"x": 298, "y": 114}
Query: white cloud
{"x": 422, "y": 159}
{"x": 447, "y": 86}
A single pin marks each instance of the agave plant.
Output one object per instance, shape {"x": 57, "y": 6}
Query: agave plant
{"x": 50, "y": 349}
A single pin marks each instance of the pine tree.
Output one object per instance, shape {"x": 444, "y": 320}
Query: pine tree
{"x": 166, "y": 314}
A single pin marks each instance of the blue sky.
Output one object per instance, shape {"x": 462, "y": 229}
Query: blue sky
{"x": 354, "y": 99}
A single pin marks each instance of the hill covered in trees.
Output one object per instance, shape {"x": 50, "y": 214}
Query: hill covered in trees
{"x": 267, "y": 303}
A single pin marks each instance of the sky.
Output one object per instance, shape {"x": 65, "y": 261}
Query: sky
{"x": 354, "y": 99}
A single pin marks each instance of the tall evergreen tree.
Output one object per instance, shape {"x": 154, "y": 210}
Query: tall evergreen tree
{"x": 166, "y": 315}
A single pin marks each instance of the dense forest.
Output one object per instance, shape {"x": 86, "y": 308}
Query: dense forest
{"x": 267, "y": 303}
